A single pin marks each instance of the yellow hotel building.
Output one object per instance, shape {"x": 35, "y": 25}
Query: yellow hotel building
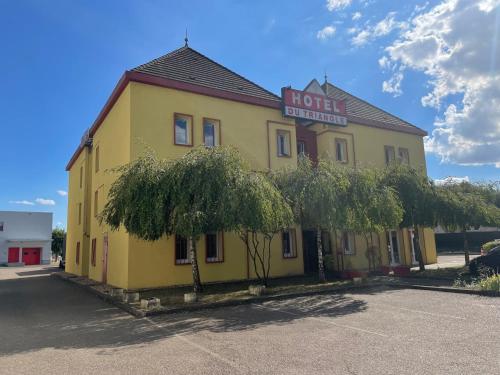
{"x": 184, "y": 99}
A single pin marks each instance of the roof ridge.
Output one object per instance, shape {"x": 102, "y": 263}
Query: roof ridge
{"x": 233, "y": 72}
{"x": 371, "y": 105}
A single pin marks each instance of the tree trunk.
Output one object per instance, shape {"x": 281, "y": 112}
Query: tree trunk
{"x": 197, "y": 288}
{"x": 466, "y": 247}
{"x": 418, "y": 250}
{"x": 321, "y": 265}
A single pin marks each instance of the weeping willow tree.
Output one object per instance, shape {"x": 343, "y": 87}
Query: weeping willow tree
{"x": 466, "y": 206}
{"x": 190, "y": 196}
{"x": 417, "y": 196}
{"x": 372, "y": 207}
{"x": 263, "y": 213}
{"x": 317, "y": 194}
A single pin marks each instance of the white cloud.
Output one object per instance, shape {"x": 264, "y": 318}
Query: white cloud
{"x": 382, "y": 28}
{"x": 62, "y": 193}
{"x": 23, "y": 202}
{"x": 326, "y": 32}
{"x": 332, "y": 5}
{"x": 393, "y": 84}
{"x": 45, "y": 202}
{"x": 352, "y": 30}
{"x": 356, "y": 16}
{"x": 451, "y": 180}
{"x": 455, "y": 44}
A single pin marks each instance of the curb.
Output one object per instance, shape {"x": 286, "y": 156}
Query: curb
{"x": 447, "y": 289}
{"x": 251, "y": 300}
{"x": 138, "y": 313}
{"x": 104, "y": 296}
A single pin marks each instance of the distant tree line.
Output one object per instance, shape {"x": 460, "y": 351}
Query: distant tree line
{"x": 214, "y": 189}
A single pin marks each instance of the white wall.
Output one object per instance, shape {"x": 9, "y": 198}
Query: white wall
{"x": 30, "y": 229}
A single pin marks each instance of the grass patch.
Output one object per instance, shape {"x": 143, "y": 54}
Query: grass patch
{"x": 490, "y": 284}
{"x": 239, "y": 290}
{"x": 449, "y": 273}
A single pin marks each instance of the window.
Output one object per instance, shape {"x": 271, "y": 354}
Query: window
{"x": 97, "y": 159}
{"x": 288, "y": 243}
{"x": 214, "y": 247}
{"x": 341, "y": 150}
{"x": 77, "y": 260}
{"x": 181, "y": 250}
{"x": 79, "y": 213}
{"x": 403, "y": 156}
{"x": 96, "y": 203}
{"x": 390, "y": 154}
{"x": 210, "y": 132}
{"x": 183, "y": 129}
{"x": 301, "y": 148}
{"x": 1, "y": 226}
{"x": 283, "y": 138}
{"x": 81, "y": 177}
{"x": 92, "y": 254}
{"x": 325, "y": 241}
{"x": 347, "y": 243}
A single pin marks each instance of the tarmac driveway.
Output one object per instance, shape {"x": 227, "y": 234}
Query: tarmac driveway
{"x": 49, "y": 326}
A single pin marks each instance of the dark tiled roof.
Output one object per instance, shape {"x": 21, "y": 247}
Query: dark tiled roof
{"x": 359, "y": 111}
{"x": 187, "y": 65}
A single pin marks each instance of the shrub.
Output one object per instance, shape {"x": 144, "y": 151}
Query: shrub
{"x": 490, "y": 284}
{"x": 490, "y": 245}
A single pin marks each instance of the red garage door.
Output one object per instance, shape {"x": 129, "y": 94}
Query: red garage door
{"x": 31, "y": 255}
{"x": 13, "y": 255}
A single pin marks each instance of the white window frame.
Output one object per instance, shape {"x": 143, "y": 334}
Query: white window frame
{"x": 219, "y": 245}
{"x": 215, "y": 126}
{"x": 388, "y": 159}
{"x": 188, "y": 119}
{"x": 291, "y": 250}
{"x": 341, "y": 144}
{"x": 349, "y": 247}
{"x": 187, "y": 260}
{"x": 404, "y": 155}
{"x": 283, "y": 143}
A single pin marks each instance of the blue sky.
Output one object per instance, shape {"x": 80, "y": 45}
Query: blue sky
{"x": 61, "y": 60}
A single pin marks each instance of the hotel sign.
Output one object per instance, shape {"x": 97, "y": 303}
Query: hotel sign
{"x": 314, "y": 107}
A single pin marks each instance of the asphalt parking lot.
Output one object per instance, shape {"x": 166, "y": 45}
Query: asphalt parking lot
{"x": 48, "y": 326}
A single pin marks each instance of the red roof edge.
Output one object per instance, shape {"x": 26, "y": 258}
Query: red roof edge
{"x": 130, "y": 76}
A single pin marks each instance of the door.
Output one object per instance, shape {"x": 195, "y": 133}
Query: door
{"x": 105, "y": 258}
{"x": 13, "y": 255}
{"x": 310, "y": 251}
{"x": 393, "y": 247}
{"x": 31, "y": 255}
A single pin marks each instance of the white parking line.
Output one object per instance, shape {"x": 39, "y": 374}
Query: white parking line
{"x": 324, "y": 321}
{"x": 417, "y": 311}
{"x": 198, "y": 346}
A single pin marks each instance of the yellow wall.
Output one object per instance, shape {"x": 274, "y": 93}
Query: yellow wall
{"x": 366, "y": 148}
{"x": 252, "y": 129}
{"x": 143, "y": 117}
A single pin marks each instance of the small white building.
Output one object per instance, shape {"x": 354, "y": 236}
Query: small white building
{"x": 25, "y": 237}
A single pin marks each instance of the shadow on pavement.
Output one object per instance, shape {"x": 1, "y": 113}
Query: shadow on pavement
{"x": 44, "y": 271}
{"x": 45, "y": 312}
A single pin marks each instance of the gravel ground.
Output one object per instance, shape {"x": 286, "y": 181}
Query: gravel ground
{"x": 49, "y": 326}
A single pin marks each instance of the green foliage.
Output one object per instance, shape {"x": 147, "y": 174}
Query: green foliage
{"x": 372, "y": 206}
{"x": 490, "y": 245}
{"x": 316, "y": 193}
{"x": 263, "y": 212}
{"x": 58, "y": 235}
{"x": 416, "y": 194}
{"x": 205, "y": 187}
{"x": 490, "y": 284}
{"x": 206, "y": 190}
{"x": 140, "y": 199}
{"x": 465, "y": 206}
